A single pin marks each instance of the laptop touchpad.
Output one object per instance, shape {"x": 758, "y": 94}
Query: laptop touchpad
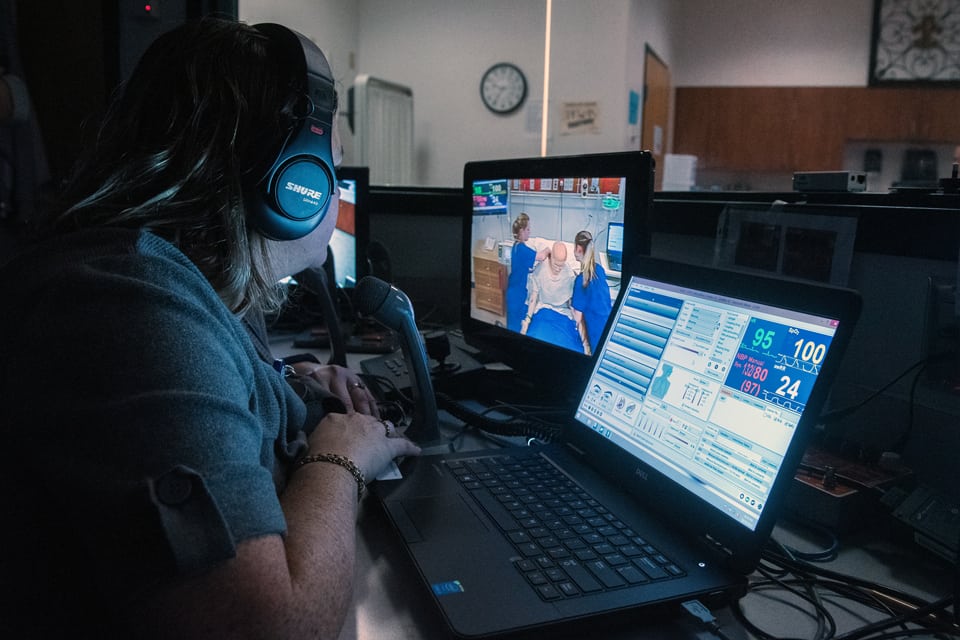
{"x": 444, "y": 515}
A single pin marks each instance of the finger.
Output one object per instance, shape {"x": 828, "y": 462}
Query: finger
{"x": 402, "y": 446}
{"x": 365, "y": 402}
{"x": 342, "y": 390}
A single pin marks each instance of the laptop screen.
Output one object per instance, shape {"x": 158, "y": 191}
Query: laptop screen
{"x": 706, "y": 389}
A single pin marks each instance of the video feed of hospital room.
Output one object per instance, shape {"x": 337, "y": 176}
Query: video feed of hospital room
{"x": 557, "y": 208}
{"x": 343, "y": 243}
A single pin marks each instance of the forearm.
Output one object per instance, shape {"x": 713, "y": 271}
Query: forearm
{"x": 297, "y": 587}
{"x": 320, "y": 504}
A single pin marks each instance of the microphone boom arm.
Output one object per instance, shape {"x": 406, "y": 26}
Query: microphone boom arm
{"x": 393, "y": 308}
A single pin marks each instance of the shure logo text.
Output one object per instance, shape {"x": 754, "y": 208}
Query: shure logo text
{"x": 306, "y": 191}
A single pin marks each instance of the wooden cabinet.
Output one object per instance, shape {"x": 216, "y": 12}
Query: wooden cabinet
{"x": 489, "y": 280}
{"x": 786, "y": 129}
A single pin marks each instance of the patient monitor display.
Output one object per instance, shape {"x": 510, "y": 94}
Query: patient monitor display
{"x": 542, "y": 263}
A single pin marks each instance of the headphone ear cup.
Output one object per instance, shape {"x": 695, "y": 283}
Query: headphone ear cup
{"x": 295, "y": 197}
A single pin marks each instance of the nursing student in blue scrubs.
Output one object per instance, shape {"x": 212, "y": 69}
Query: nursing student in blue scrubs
{"x": 591, "y": 293}
{"x": 522, "y": 259}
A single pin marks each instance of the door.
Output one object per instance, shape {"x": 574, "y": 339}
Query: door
{"x": 656, "y": 110}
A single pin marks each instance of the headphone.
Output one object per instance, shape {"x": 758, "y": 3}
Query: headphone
{"x": 294, "y": 195}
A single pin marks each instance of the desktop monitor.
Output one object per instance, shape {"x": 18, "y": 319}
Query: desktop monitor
{"x": 349, "y": 238}
{"x": 523, "y": 302}
{"x": 615, "y": 246}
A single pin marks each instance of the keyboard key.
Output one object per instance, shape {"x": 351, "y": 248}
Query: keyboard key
{"x": 575, "y": 543}
{"x": 502, "y": 517}
{"x": 605, "y": 573}
{"x": 585, "y": 554}
{"x": 548, "y": 592}
{"x": 537, "y": 578}
{"x": 650, "y": 568}
{"x": 526, "y": 565}
{"x": 631, "y": 574}
{"x": 583, "y": 579}
{"x": 555, "y": 575}
{"x": 548, "y": 542}
{"x": 518, "y": 537}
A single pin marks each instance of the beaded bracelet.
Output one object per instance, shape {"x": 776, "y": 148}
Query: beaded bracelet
{"x": 342, "y": 461}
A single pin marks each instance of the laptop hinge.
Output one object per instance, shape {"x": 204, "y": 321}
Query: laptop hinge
{"x": 575, "y": 449}
{"x": 722, "y": 551}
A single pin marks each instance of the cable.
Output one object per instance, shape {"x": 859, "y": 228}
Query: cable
{"x": 826, "y": 554}
{"x": 701, "y": 614}
{"x": 911, "y": 616}
{"x": 514, "y": 426}
{"x": 833, "y": 416}
{"x": 901, "y": 442}
{"x": 898, "y": 607}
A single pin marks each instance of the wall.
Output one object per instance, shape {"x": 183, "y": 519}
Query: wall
{"x": 332, "y": 24}
{"x": 763, "y": 43}
{"x": 440, "y": 48}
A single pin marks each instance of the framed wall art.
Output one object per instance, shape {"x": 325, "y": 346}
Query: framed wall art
{"x": 915, "y": 42}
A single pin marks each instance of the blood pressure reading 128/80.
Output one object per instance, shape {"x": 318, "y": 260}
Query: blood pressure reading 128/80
{"x": 778, "y": 363}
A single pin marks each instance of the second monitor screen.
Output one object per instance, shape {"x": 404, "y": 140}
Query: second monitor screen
{"x": 541, "y": 261}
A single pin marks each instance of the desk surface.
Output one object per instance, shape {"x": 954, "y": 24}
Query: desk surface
{"x": 390, "y": 603}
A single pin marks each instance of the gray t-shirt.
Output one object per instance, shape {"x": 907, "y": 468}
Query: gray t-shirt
{"x": 145, "y": 437}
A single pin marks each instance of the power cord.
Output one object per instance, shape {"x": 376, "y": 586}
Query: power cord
{"x": 781, "y": 569}
{"x": 826, "y": 554}
{"x": 833, "y": 416}
{"x": 701, "y": 614}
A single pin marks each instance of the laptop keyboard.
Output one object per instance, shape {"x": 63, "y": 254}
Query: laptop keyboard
{"x": 568, "y": 544}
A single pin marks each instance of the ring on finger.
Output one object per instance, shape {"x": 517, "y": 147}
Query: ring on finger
{"x": 387, "y": 426}
{"x": 358, "y": 385}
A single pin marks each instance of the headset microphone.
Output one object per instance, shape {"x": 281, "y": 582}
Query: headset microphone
{"x": 392, "y": 308}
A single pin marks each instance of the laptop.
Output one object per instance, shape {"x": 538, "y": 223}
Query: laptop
{"x": 670, "y": 473}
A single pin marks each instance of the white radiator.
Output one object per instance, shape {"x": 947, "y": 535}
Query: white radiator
{"x": 383, "y": 130}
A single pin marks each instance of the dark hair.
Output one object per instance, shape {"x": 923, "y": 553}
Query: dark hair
{"x": 192, "y": 134}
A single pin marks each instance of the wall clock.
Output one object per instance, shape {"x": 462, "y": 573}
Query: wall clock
{"x": 503, "y": 88}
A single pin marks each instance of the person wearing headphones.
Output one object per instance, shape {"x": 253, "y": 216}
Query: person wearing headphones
{"x": 162, "y": 479}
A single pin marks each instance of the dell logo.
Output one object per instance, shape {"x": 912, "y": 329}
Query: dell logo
{"x": 305, "y": 191}
{"x": 640, "y": 473}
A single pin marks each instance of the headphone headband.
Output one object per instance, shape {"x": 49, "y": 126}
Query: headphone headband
{"x": 294, "y": 196}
